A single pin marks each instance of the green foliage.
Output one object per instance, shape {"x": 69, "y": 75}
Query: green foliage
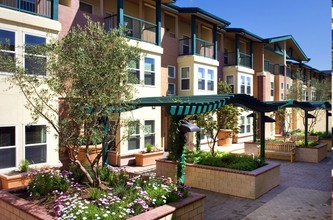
{"x": 96, "y": 193}
{"x": 301, "y": 143}
{"x": 223, "y": 159}
{"x": 44, "y": 183}
{"x": 87, "y": 69}
{"x": 176, "y": 140}
{"x": 24, "y": 166}
{"x": 150, "y": 148}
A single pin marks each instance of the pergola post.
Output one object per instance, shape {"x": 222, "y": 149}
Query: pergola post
{"x": 262, "y": 135}
{"x": 105, "y": 161}
{"x": 306, "y": 128}
{"x": 326, "y": 123}
{"x": 254, "y": 127}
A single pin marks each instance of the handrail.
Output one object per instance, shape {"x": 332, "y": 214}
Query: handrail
{"x": 43, "y": 7}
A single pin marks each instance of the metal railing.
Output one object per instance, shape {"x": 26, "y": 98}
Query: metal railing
{"x": 184, "y": 46}
{"x": 135, "y": 28}
{"x": 245, "y": 60}
{"x": 41, "y": 7}
{"x": 204, "y": 48}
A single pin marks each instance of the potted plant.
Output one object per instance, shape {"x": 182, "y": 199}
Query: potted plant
{"x": 148, "y": 157}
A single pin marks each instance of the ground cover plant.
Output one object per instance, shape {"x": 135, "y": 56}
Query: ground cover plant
{"x": 122, "y": 197}
{"x": 224, "y": 159}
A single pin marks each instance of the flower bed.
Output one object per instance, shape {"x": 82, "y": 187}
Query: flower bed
{"x": 247, "y": 184}
{"x": 119, "y": 196}
{"x": 313, "y": 154}
{"x": 15, "y": 208}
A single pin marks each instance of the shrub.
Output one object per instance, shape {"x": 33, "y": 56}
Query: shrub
{"x": 223, "y": 159}
{"x": 24, "y": 166}
{"x": 45, "y": 182}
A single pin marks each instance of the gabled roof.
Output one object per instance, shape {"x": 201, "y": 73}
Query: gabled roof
{"x": 291, "y": 43}
{"x": 195, "y": 10}
{"x": 244, "y": 32}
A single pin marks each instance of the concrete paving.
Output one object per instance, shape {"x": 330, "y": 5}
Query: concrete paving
{"x": 304, "y": 193}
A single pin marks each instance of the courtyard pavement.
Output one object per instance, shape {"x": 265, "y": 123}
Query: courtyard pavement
{"x": 304, "y": 193}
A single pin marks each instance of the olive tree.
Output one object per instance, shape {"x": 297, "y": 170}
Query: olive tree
{"x": 87, "y": 72}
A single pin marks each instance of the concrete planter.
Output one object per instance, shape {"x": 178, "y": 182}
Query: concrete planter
{"x": 311, "y": 154}
{"x": 146, "y": 159}
{"x": 13, "y": 207}
{"x": 328, "y": 142}
{"x": 247, "y": 184}
{"x": 13, "y": 181}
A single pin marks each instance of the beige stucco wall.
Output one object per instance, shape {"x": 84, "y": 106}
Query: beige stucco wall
{"x": 13, "y": 111}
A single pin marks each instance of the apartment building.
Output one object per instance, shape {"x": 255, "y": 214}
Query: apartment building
{"x": 25, "y": 22}
{"x": 186, "y": 52}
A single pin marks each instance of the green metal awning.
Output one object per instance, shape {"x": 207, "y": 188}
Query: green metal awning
{"x": 306, "y": 106}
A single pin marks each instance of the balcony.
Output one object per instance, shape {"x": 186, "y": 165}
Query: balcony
{"x": 269, "y": 67}
{"x": 203, "y": 48}
{"x": 136, "y": 29}
{"x": 243, "y": 59}
{"x": 40, "y": 8}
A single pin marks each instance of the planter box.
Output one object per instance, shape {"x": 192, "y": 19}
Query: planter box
{"x": 13, "y": 181}
{"x": 247, "y": 184}
{"x": 13, "y": 207}
{"x": 251, "y": 148}
{"x": 225, "y": 137}
{"x": 147, "y": 159}
{"x": 328, "y": 142}
{"x": 311, "y": 154}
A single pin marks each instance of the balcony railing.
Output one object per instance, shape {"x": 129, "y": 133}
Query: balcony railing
{"x": 41, "y": 7}
{"x": 243, "y": 59}
{"x": 135, "y": 28}
{"x": 203, "y": 48}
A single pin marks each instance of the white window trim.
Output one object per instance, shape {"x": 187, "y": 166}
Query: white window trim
{"x": 233, "y": 84}
{"x": 181, "y": 78}
{"x": 210, "y": 80}
{"x": 16, "y": 148}
{"x": 142, "y": 71}
{"x": 174, "y": 72}
{"x": 204, "y": 78}
{"x": 245, "y": 84}
{"x": 144, "y": 132}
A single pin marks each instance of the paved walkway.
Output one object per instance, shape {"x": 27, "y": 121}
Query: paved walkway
{"x": 304, "y": 193}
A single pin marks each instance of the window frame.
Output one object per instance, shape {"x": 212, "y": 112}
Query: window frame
{"x": 35, "y": 144}
{"x": 137, "y": 72}
{"x": 152, "y": 134}
{"x": 272, "y": 89}
{"x": 151, "y": 72}
{"x": 136, "y": 136}
{"x": 35, "y": 55}
{"x": 174, "y": 71}
{"x": 174, "y": 89}
{"x": 187, "y": 79}
{"x": 10, "y": 51}
{"x": 11, "y": 146}
{"x": 201, "y": 79}
{"x": 210, "y": 81}
{"x": 232, "y": 86}
{"x": 87, "y": 4}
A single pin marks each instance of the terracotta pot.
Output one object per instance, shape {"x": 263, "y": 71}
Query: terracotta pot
{"x": 147, "y": 159}
{"x": 93, "y": 150}
{"x": 13, "y": 181}
{"x": 224, "y": 137}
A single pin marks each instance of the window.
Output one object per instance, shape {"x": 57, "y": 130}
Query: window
{"x": 248, "y": 125}
{"x": 134, "y": 72}
{"x": 134, "y": 139}
{"x": 171, "y": 72}
{"x": 34, "y": 63}
{"x": 226, "y": 57}
{"x": 149, "y": 78}
{"x": 210, "y": 80}
{"x": 272, "y": 88}
{"x": 35, "y": 143}
{"x": 7, "y": 49}
{"x": 248, "y": 88}
{"x": 282, "y": 86}
{"x": 171, "y": 89}
{"x": 288, "y": 86}
{"x": 243, "y": 84}
{"x": 185, "y": 78}
{"x": 201, "y": 78}
{"x": 242, "y": 127}
{"x": 7, "y": 147}
{"x": 282, "y": 96}
{"x": 149, "y": 132}
{"x": 230, "y": 82}
{"x": 86, "y": 7}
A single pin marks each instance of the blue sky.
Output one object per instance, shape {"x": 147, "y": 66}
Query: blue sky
{"x": 308, "y": 21}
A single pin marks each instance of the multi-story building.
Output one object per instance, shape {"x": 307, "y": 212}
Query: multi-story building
{"x": 25, "y": 22}
{"x": 187, "y": 51}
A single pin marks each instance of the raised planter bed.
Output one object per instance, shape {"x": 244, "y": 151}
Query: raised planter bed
{"x": 146, "y": 159}
{"x": 311, "y": 154}
{"x": 13, "y": 207}
{"x": 247, "y": 184}
{"x": 328, "y": 142}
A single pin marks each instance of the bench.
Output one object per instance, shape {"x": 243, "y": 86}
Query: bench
{"x": 280, "y": 150}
